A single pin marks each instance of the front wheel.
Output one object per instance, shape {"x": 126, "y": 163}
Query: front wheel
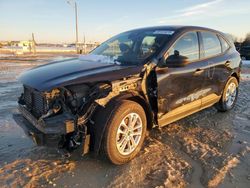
{"x": 125, "y": 132}
{"x": 229, "y": 95}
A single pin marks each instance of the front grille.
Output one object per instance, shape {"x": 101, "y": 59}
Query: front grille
{"x": 35, "y": 101}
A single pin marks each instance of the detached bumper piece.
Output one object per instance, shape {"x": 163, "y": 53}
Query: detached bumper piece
{"x": 47, "y": 131}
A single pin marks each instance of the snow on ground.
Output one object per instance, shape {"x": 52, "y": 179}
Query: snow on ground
{"x": 246, "y": 62}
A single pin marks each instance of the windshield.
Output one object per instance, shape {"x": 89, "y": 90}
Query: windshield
{"x": 133, "y": 47}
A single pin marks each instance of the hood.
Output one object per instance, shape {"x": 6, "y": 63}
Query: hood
{"x": 74, "y": 71}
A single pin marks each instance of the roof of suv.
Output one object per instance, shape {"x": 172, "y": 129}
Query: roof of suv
{"x": 178, "y": 28}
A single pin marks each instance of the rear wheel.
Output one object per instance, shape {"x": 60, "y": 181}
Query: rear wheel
{"x": 229, "y": 96}
{"x": 125, "y": 132}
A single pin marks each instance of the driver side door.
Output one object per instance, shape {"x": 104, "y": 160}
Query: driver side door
{"x": 180, "y": 87}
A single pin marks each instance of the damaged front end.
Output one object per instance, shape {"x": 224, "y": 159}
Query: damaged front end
{"x": 66, "y": 116}
{"x": 59, "y": 117}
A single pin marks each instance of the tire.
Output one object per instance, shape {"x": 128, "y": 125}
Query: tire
{"x": 229, "y": 95}
{"x": 117, "y": 136}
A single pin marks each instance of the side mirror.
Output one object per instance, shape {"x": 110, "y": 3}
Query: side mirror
{"x": 176, "y": 60}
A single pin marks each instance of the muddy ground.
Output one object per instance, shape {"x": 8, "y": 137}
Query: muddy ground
{"x": 207, "y": 149}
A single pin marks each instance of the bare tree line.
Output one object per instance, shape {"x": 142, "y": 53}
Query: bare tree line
{"x": 243, "y": 41}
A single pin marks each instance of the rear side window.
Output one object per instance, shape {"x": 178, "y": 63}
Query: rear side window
{"x": 212, "y": 46}
{"x": 187, "y": 46}
{"x": 224, "y": 45}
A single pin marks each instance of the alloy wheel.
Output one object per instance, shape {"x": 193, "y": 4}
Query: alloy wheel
{"x": 129, "y": 133}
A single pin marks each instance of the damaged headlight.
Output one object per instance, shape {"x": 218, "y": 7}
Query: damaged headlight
{"x": 76, "y": 96}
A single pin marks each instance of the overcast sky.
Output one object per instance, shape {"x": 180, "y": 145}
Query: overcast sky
{"x": 53, "y": 20}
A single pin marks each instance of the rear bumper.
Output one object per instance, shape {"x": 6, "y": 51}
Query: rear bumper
{"x": 47, "y": 130}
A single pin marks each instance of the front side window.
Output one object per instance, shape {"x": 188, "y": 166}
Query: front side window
{"x": 212, "y": 46}
{"x": 187, "y": 47}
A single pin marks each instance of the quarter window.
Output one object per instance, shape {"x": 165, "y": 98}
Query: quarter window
{"x": 187, "y": 46}
{"x": 212, "y": 46}
{"x": 224, "y": 45}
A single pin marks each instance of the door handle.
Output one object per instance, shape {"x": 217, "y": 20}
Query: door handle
{"x": 198, "y": 71}
{"x": 227, "y": 64}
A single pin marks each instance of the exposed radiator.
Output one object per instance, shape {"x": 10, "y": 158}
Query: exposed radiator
{"x": 35, "y": 101}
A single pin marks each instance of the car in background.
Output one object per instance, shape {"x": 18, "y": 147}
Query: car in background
{"x": 237, "y": 46}
{"x": 245, "y": 52}
{"x": 107, "y": 100}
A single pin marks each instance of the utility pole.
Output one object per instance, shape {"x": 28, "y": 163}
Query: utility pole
{"x": 76, "y": 23}
{"x": 84, "y": 43}
{"x": 33, "y": 44}
{"x": 76, "y": 19}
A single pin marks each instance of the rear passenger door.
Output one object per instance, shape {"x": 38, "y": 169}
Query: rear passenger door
{"x": 213, "y": 52}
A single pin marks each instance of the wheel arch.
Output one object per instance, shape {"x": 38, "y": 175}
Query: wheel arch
{"x": 136, "y": 97}
{"x": 142, "y": 102}
{"x": 102, "y": 116}
{"x": 236, "y": 75}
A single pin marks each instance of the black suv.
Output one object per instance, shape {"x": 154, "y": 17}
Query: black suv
{"x": 106, "y": 101}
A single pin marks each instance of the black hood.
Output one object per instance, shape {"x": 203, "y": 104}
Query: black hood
{"x": 74, "y": 71}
